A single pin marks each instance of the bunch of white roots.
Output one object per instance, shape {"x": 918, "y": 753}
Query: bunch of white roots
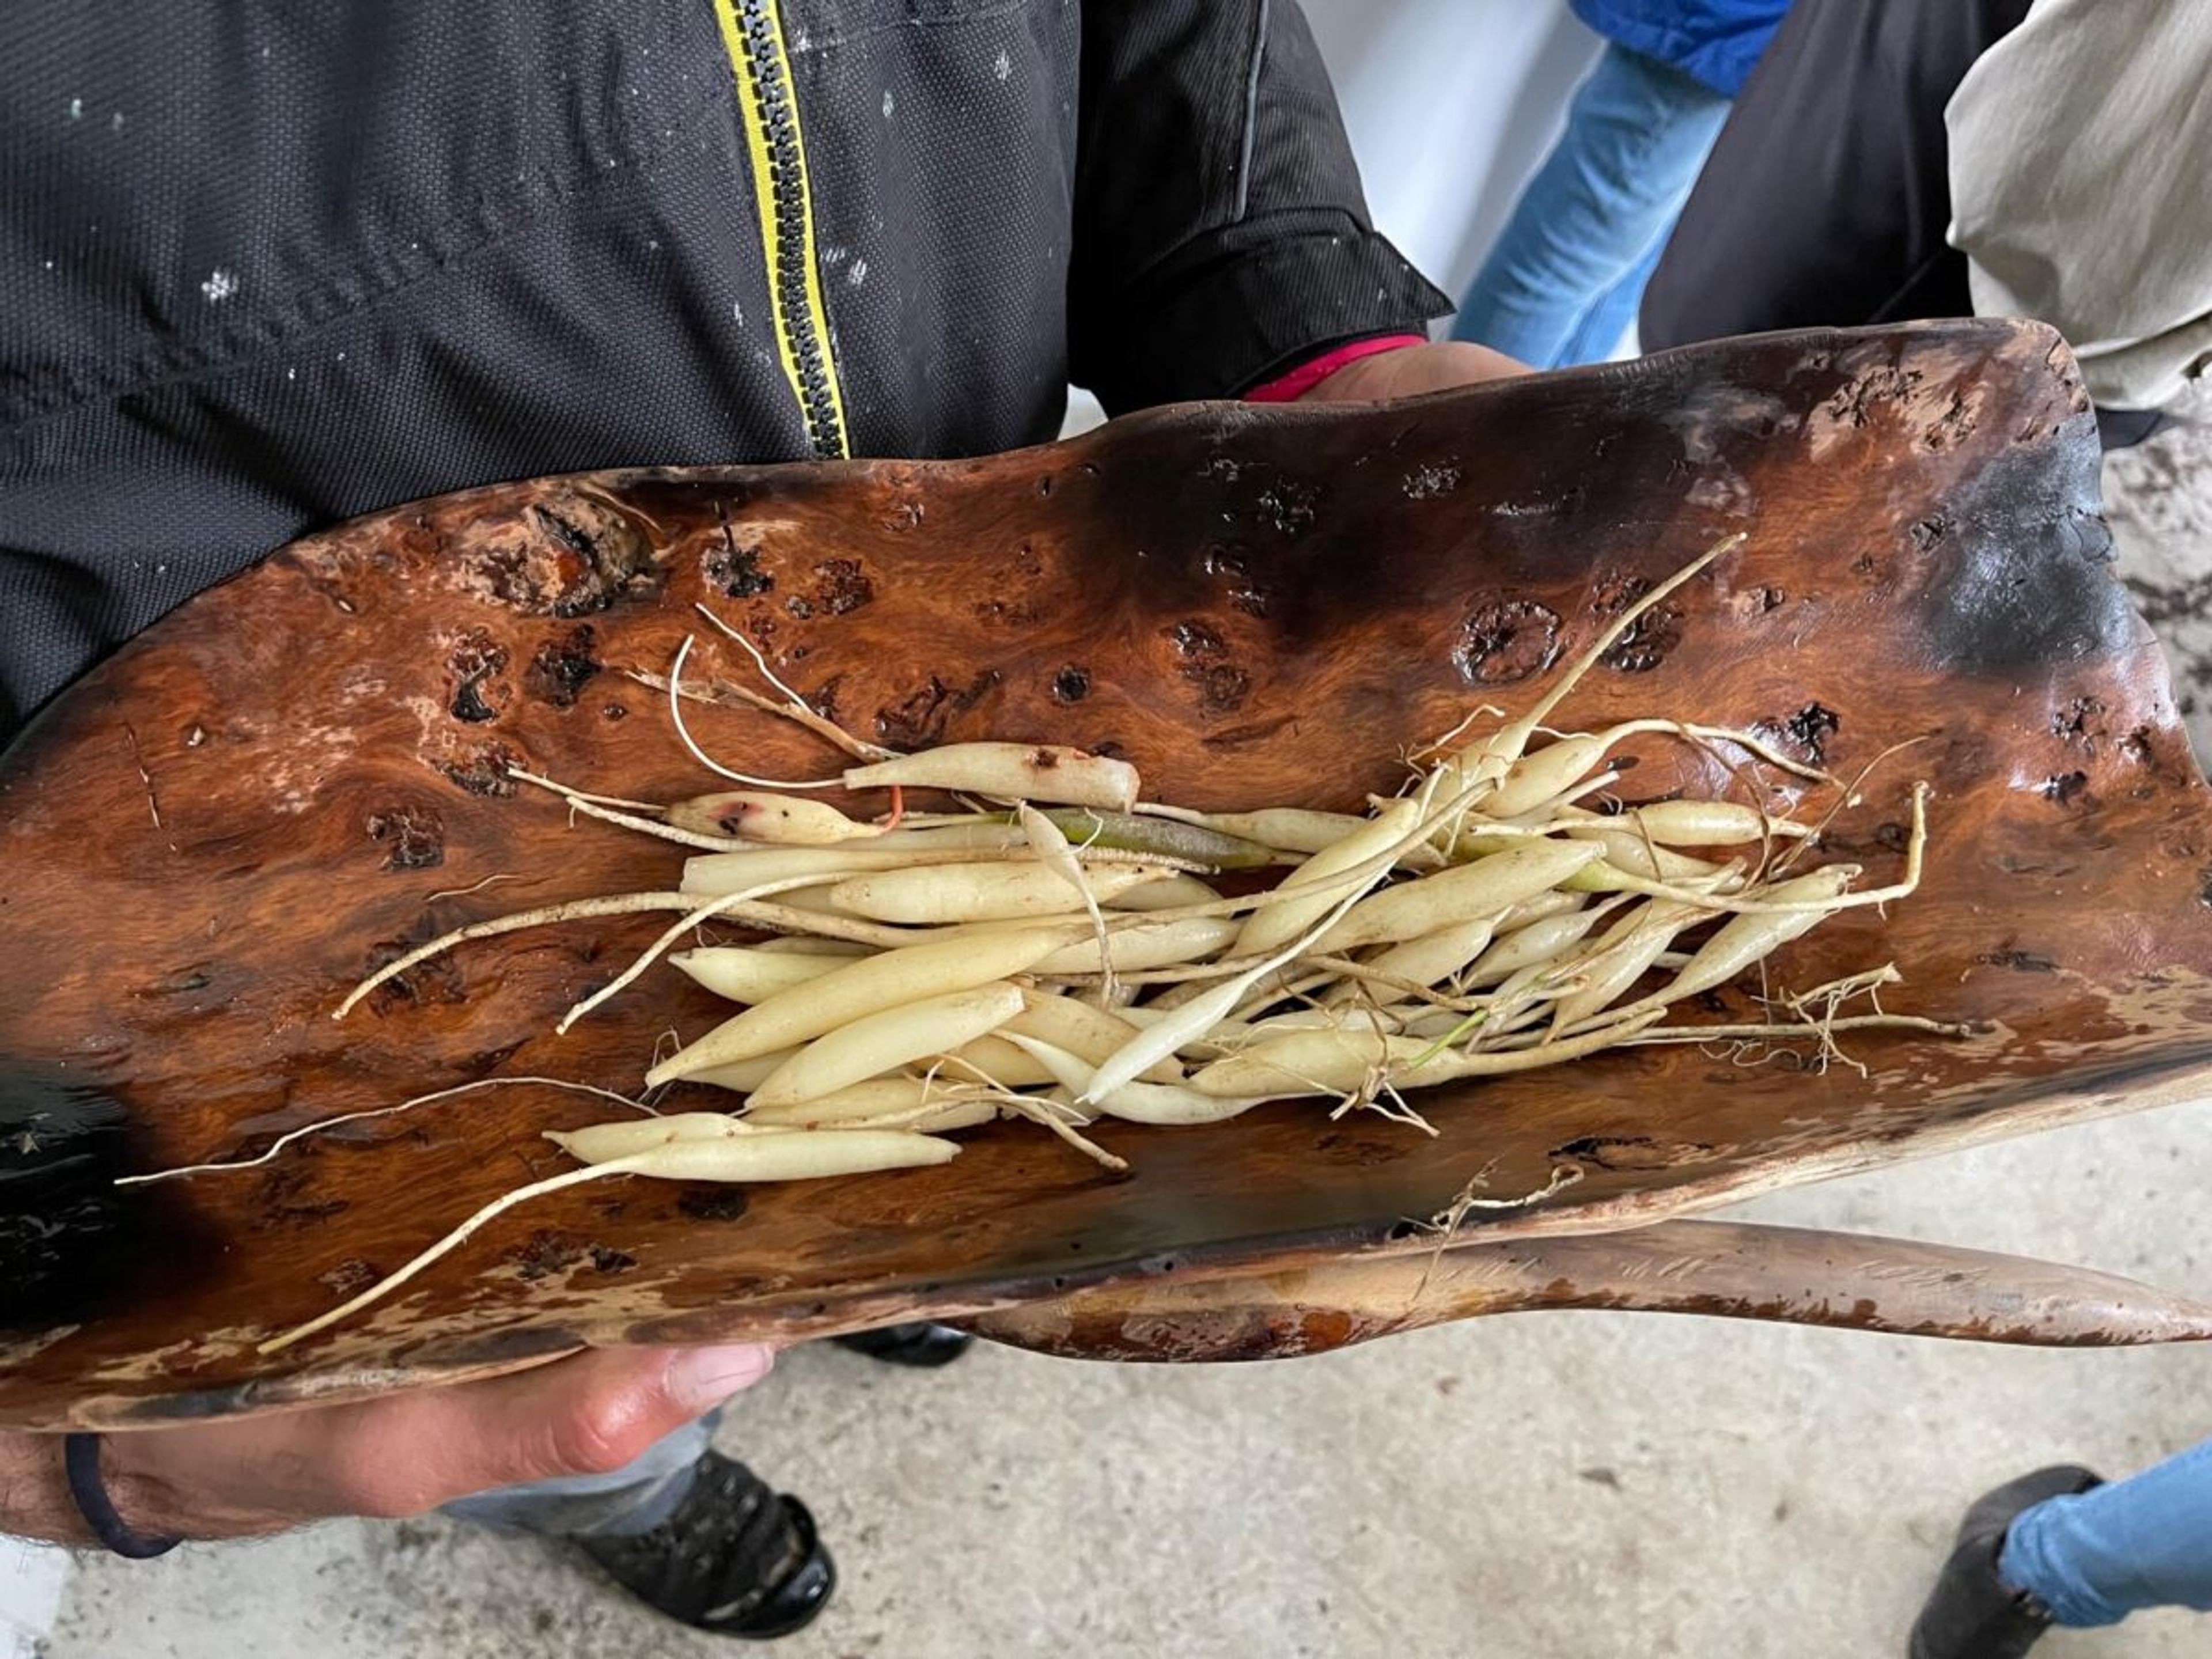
{"x": 1059, "y": 951}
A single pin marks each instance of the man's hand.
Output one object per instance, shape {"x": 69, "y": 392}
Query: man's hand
{"x": 400, "y": 1455}
{"x": 1412, "y": 370}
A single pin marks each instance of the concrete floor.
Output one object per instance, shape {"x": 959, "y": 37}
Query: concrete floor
{"x": 1544, "y": 1486}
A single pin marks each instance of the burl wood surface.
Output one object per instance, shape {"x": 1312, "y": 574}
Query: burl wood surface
{"x": 266, "y": 794}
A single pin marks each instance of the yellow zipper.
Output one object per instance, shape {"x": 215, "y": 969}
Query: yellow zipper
{"x": 752, "y": 32}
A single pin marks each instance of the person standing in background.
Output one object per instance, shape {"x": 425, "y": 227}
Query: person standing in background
{"x": 1903, "y": 159}
{"x": 2061, "y": 1546}
{"x": 1563, "y": 283}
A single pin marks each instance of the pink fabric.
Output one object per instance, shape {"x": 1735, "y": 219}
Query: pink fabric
{"x": 1288, "y": 388}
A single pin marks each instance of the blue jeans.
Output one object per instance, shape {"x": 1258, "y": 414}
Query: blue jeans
{"x": 2095, "y": 1557}
{"x": 1562, "y": 285}
{"x": 634, "y": 1498}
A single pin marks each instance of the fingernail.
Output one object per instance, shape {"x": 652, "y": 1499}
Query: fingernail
{"x": 708, "y": 1377}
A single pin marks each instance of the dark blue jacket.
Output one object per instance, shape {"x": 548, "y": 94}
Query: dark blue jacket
{"x": 1717, "y": 41}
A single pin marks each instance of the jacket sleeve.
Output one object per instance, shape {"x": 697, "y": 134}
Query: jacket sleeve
{"x": 2110, "y": 240}
{"x": 1220, "y": 234}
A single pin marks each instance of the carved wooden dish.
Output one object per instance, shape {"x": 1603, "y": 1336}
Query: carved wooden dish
{"x": 221, "y": 828}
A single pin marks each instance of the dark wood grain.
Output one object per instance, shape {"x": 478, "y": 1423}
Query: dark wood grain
{"x": 228, "y": 821}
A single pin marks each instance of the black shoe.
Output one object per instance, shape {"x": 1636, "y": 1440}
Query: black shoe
{"x": 1970, "y": 1615}
{"x": 910, "y": 1344}
{"x": 735, "y": 1558}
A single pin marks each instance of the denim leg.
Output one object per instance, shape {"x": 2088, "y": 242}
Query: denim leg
{"x": 1638, "y": 132}
{"x": 2094, "y": 1558}
{"x": 1602, "y": 330}
{"x": 632, "y": 1499}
